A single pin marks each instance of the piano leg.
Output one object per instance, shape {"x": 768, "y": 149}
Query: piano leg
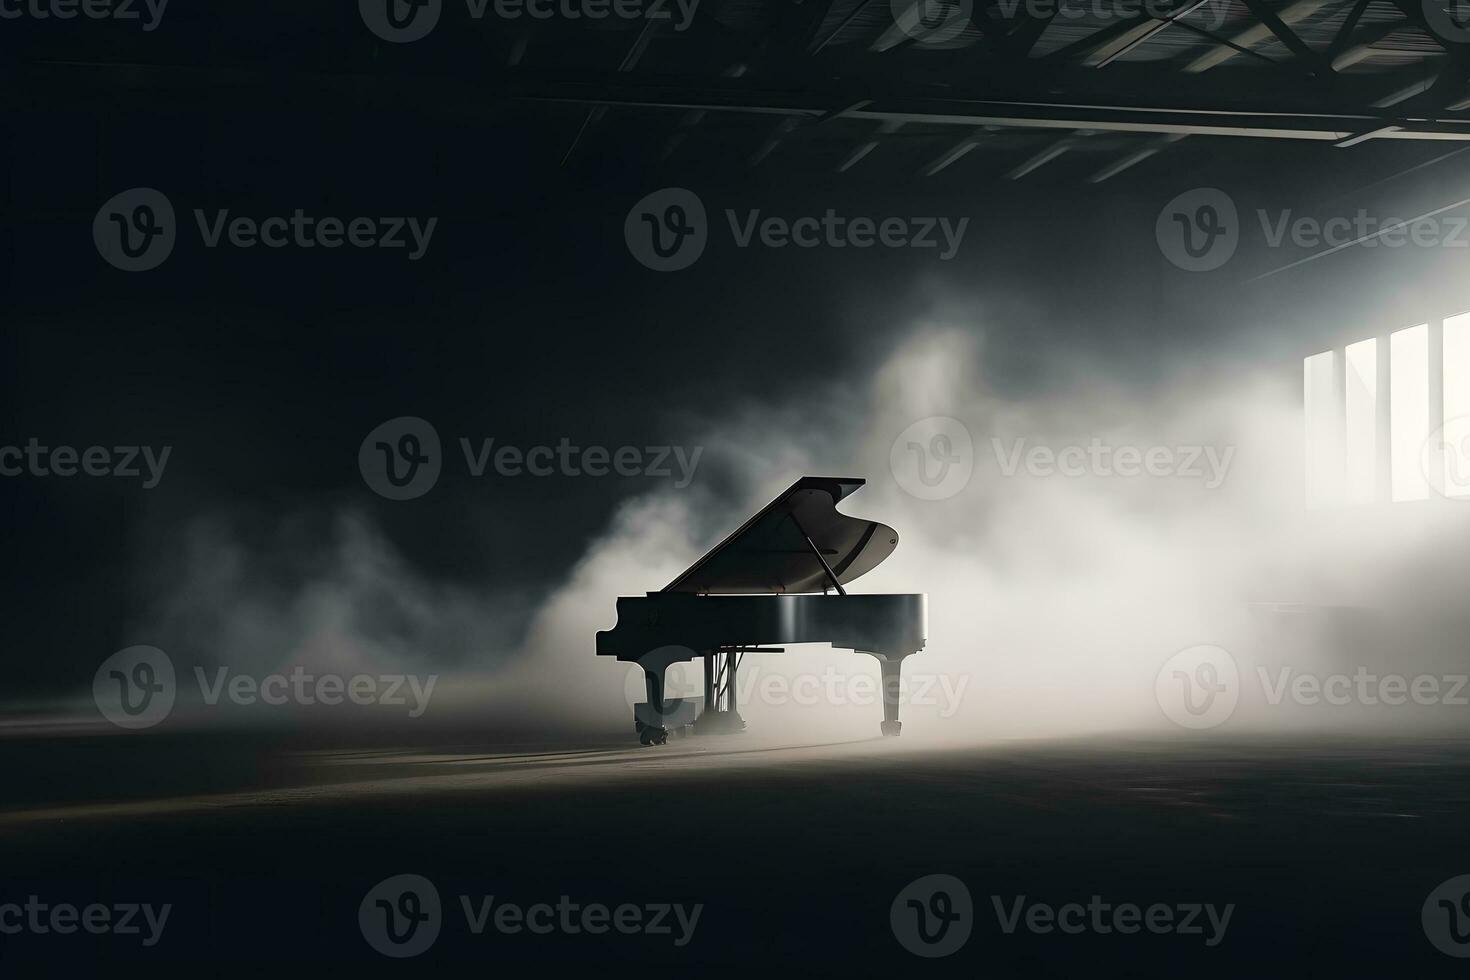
{"x": 890, "y": 668}
{"x": 654, "y": 663}
{"x": 653, "y": 681}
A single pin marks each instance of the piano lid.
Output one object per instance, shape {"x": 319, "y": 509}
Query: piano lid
{"x": 773, "y": 551}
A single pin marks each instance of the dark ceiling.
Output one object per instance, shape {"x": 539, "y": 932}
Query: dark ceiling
{"x": 1114, "y": 83}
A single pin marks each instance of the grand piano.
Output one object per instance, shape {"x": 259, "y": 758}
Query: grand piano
{"x": 779, "y": 578}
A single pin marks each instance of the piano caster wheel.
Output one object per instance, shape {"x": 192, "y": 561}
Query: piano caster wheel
{"x": 653, "y": 735}
{"x": 891, "y": 728}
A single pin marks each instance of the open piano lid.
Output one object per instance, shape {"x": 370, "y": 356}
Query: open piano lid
{"x": 771, "y": 553}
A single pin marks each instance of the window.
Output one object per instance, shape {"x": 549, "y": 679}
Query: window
{"x": 1408, "y": 420}
{"x": 1456, "y": 404}
{"x": 1360, "y": 435}
{"x": 1410, "y": 441}
{"x": 1322, "y": 407}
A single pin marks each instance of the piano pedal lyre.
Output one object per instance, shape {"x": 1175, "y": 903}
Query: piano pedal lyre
{"x": 651, "y": 734}
{"x": 721, "y": 714}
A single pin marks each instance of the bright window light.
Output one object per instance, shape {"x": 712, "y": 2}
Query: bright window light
{"x": 1360, "y": 438}
{"x": 1408, "y": 403}
{"x": 1322, "y": 412}
{"x": 1456, "y": 405}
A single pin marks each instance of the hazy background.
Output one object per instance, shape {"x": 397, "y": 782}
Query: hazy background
{"x": 1054, "y": 600}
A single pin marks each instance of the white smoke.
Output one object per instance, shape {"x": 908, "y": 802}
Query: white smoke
{"x": 1053, "y": 599}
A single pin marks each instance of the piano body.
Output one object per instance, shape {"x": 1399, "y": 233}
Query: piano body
{"x": 779, "y": 578}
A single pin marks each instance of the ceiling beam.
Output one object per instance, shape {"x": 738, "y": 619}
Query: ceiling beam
{"x": 1132, "y": 159}
{"x": 956, "y": 152}
{"x": 1290, "y": 66}
{"x": 975, "y": 113}
{"x": 1253, "y": 35}
{"x": 1113, "y": 49}
{"x": 518, "y": 49}
{"x": 629, "y": 62}
{"x": 863, "y": 149}
{"x": 694, "y": 117}
{"x": 1344, "y": 38}
{"x": 778, "y": 134}
{"x": 1404, "y": 93}
{"x": 1046, "y": 156}
{"x": 905, "y": 22}
{"x": 1363, "y": 137}
{"x": 1277, "y": 26}
{"x": 105, "y": 86}
{"x": 1080, "y": 49}
{"x": 1349, "y": 49}
{"x": 1447, "y": 91}
{"x": 842, "y": 26}
{"x": 1022, "y": 37}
